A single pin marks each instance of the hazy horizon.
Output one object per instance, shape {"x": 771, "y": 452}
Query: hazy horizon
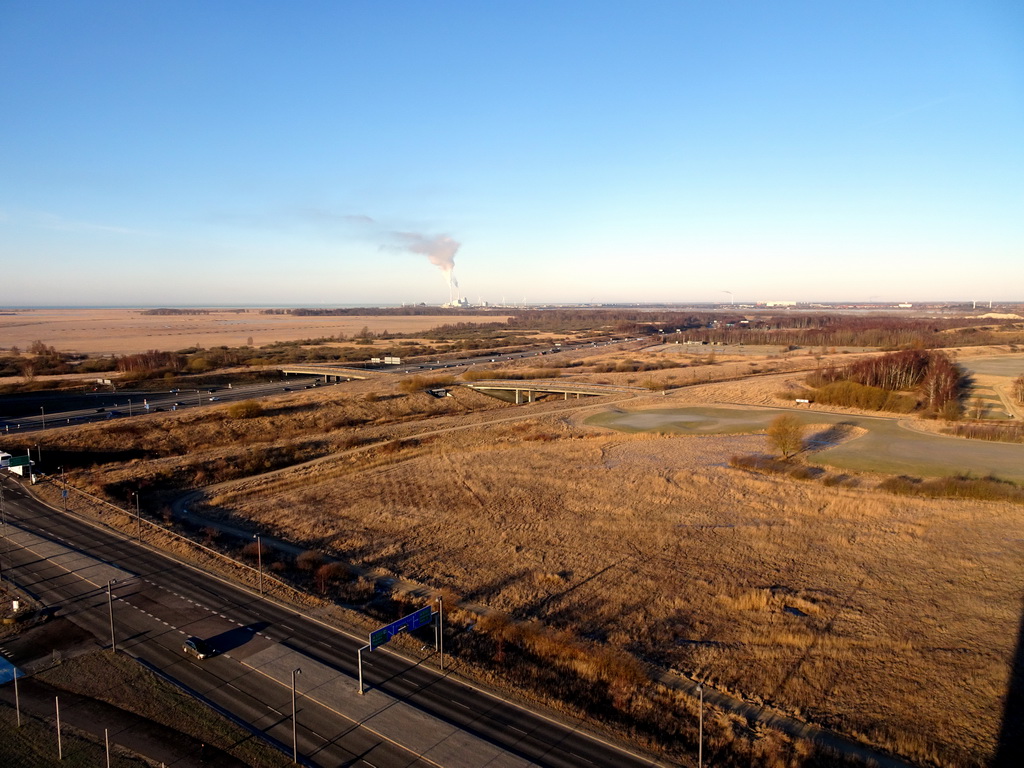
{"x": 172, "y": 154}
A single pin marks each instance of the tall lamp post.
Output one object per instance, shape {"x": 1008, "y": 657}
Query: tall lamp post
{"x": 42, "y": 411}
{"x": 110, "y": 605}
{"x": 3, "y": 522}
{"x": 138, "y": 516}
{"x": 700, "y": 729}
{"x": 259, "y": 558}
{"x": 295, "y": 738}
{"x": 63, "y": 489}
{"x": 440, "y": 632}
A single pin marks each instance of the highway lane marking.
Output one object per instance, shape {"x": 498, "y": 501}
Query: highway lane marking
{"x": 355, "y": 722}
{"x": 574, "y": 728}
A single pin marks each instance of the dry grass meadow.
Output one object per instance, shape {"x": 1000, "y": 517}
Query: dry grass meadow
{"x": 128, "y": 331}
{"x": 890, "y": 619}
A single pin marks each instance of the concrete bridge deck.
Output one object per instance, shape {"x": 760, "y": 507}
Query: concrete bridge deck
{"x": 334, "y": 372}
{"x": 526, "y": 389}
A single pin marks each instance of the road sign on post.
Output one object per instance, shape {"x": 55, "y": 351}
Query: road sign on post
{"x": 421, "y": 618}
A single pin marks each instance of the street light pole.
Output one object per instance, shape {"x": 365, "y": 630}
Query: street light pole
{"x": 42, "y": 410}
{"x": 64, "y": 489}
{"x": 700, "y": 729}
{"x": 138, "y": 517}
{"x": 3, "y": 522}
{"x": 295, "y": 740}
{"x": 110, "y": 605}
{"x": 60, "y": 745}
{"x": 259, "y": 558}
{"x": 440, "y": 631}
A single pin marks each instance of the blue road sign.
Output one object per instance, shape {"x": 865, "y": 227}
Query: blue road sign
{"x": 421, "y": 618}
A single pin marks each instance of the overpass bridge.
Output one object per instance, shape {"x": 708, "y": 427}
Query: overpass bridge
{"x": 526, "y": 391}
{"x": 333, "y": 372}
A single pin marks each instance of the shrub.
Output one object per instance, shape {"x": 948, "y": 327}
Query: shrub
{"x": 255, "y": 550}
{"x": 327, "y": 573}
{"x": 1006, "y": 433}
{"x": 309, "y": 560}
{"x": 760, "y": 464}
{"x": 958, "y": 486}
{"x": 481, "y": 374}
{"x": 247, "y": 409}
{"x": 850, "y": 394}
{"x": 805, "y": 473}
{"x": 422, "y": 383}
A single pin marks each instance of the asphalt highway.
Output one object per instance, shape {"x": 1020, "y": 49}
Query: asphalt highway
{"x": 132, "y": 403}
{"x": 55, "y": 412}
{"x": 412, "y": 715}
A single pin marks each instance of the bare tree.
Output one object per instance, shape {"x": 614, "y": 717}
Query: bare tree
{"x": 786, "y": 435}
{"x": 978, "y": 408}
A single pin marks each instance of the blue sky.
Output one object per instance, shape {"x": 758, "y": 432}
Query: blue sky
{"x": 231, "y": 152}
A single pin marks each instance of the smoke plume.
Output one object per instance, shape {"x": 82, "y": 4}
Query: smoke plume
{"x": 440, "y": 251}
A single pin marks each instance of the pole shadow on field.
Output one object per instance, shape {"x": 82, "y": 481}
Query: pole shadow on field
{"x": 1010, "y": 748}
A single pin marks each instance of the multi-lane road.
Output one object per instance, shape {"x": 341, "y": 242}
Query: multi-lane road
{"x": 60, "y": 410}
{"x": 412, "y": 714}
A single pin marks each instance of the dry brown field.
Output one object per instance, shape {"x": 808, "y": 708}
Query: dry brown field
{"x": 128, "y": 331}
{"x": 890, "y": 619}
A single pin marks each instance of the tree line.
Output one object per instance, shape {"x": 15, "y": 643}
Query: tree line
{"x": 874, "y": 382}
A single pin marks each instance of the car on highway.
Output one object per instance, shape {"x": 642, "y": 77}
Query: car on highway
{"x": 214, "y": 398}
{"x": 196, "y": 646}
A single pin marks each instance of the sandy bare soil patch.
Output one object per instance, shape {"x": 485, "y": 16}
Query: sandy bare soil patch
{"x": 127, "y": 331}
